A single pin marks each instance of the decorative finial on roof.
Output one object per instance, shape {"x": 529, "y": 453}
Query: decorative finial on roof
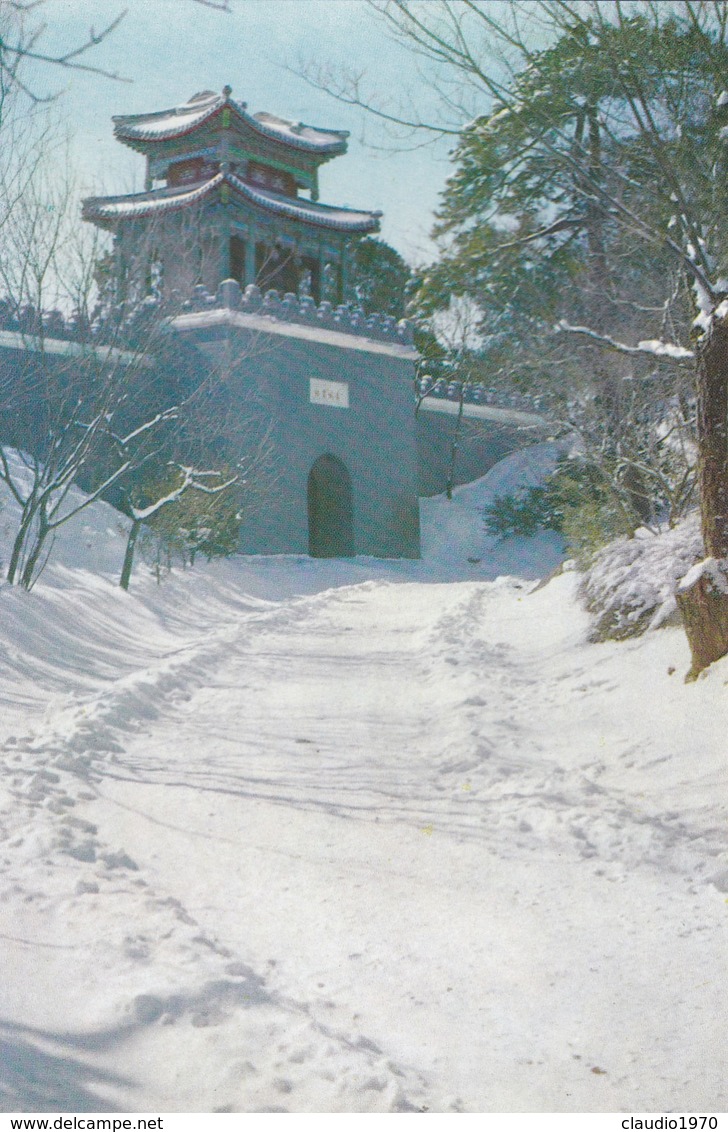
{"x": 227, "y": 91}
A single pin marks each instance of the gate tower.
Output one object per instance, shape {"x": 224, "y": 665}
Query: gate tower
{"x": 229, "y": 220}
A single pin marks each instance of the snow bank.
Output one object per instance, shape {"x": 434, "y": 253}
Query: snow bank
{"x": 632, "y": 584}
{"x": 455, "y": 542}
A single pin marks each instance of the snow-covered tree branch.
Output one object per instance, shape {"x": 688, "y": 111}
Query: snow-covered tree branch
{"x": 654, "y": 347}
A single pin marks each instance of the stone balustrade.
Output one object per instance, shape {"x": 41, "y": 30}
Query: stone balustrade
{"x": 290, "y": 308}
{"x": 477, "y": 393}
{"x": 345, "y": 317}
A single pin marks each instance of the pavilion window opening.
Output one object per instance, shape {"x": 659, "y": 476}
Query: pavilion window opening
{"x": 237, "y": 260}
{"x": 276, "y": 268}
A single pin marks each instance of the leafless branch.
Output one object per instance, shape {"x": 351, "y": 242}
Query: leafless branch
{"x": 20, "y": 44}
{"x": 668, "y": 351}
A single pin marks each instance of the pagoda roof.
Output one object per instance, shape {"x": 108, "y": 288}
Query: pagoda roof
{"x": 141, "y": 130}
{"x": 108, "y": 211}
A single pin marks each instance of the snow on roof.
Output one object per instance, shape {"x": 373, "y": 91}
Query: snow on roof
{"x": 484, "y": 412}
{"x": 164, "y": 124}
{"x": 298, "y": 133}
{"x": 159, "y": 201}
{"x": 346, "y": 219}
{"x": 260, "y": 321}
{"x": 63, "y": 347}
{"x": 167, "y": 123}
{"x": 134, "y": 205}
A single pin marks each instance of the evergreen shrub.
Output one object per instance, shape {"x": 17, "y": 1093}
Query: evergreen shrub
{"x": 574, "y": 501}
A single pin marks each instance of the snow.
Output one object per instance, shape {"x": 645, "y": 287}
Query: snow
{"x": 19, "y": 340}
{"x": 164, "y": 200}
{"x": 654, "y": 346}
{"x": 711, "y": 568}
{"x": 707, "y": 310}
{"x": 165, "y": 124}
{"x": 490, "y": 123}
{"x": 298, "y": 133}
{"x": 145, "y": 204}
{"x": 315, "y": 836}
{"x": 664, "y": 349}
{"x": 434, "y": 404}
{"x": 708, "y": 313}
{"x": 348, "y": 337}
{"x": 635, "y": 578}
{"x": 330, "y": 216}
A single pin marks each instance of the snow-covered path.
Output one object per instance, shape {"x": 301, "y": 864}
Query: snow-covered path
{"x": 391, "y": 846}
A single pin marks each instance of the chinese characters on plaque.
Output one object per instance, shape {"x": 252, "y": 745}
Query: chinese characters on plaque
{"x": 333, "y": 393}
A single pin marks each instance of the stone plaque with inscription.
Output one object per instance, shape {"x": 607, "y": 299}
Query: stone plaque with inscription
{"x": 333, "y": 393}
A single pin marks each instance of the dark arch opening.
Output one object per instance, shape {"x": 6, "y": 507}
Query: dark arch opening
{"x": 330, "y": 510}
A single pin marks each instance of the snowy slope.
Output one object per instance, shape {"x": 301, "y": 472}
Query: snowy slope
{"x": 287, "y": 835}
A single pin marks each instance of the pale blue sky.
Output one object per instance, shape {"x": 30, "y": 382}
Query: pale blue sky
{"x": 170, "y": 49}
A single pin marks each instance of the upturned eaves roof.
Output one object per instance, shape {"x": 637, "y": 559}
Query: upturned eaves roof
{"x": 107, "y": 211}
{"x": 136, "y": 129}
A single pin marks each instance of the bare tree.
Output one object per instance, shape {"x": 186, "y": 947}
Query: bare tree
{"x": 457, "y": 334}
{"x": 62, "y": 400}
{"x": 186, "y": 479}
{"x": 24, "y": 41}
{"x": 105, "y": 407}
{"x": 215, "y": 465}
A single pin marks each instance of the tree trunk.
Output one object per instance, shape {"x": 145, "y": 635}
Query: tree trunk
{"x": 19, "y": 544}
{"x": 704, "y": 604}
{"x": 28, "y": 576}
{"x": 450, "y": 480}
{"x": 704, "y": 610}
{"x": 712, "y": 403}
{"x": 129, "y": 554}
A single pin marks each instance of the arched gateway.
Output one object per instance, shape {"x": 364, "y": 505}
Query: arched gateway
{"x": 330, "y": 510}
